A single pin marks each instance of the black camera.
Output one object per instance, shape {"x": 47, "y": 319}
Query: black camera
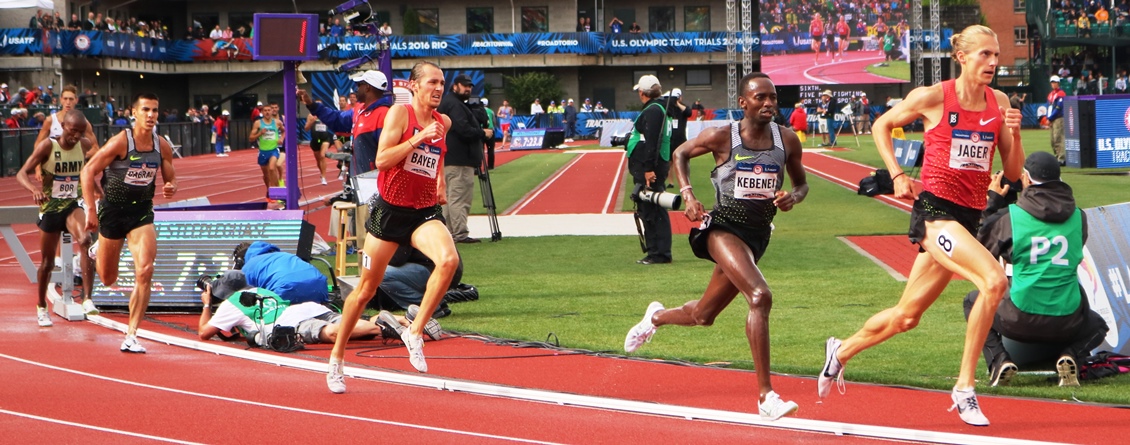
{"x": 669, "y": 201}
{"x": 206, "y": 280}
{"x": 619, "y": 141}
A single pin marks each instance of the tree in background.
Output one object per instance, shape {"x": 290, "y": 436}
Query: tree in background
{"x": 521, "y": 90}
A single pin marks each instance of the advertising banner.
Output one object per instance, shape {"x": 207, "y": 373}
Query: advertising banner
{"x": 19, "y": 42}
{"x": 671, "y": 42}
{"x": 1105, "y": 272}
{"x": 1112, "y": 133}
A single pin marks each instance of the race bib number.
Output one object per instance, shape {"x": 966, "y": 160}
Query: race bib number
{"x": 971, "y": 150}
{"x": 755, "y": 181}
{"x": 141, "y": 173}
{"x": 423, "y": 160}
{"x": 65, "y": 187}
{"x": 320, "y": 127}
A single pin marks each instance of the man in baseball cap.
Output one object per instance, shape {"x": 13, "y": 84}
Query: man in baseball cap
{"x": 1055, "y": 119}
{"x": 369, "y": 112}
{"x": 1044, "y": 304}
{"x": 646, "y": 83}
{"x": 374, "y": 78}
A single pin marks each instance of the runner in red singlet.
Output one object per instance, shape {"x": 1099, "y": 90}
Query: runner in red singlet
{"x": 965, "y": 121}
{"x": 406, "y": 210}
{"x": 816, "y": 31}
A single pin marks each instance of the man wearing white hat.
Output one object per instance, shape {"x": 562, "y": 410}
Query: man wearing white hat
{"x": 649, "y": 160}
{"x": 1055, "y": 119}
{"x": 365, "y": 119}
{"x": 827, "y": 109}
{"x": 4, "y": 96}
{"x": 679, "y": 114}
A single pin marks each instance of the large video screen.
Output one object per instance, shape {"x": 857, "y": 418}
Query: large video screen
{"x": 805, "y": 42}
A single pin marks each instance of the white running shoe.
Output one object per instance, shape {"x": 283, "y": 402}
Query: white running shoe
{"x": 968, "y": 408}
{"x": 774, "y": 408}
{"x": 1068, "y": 372}
{"x": 324, "y": 180}
{"x": 335, "y": 378}
{"x": 643, "y": 331}
{"x": 44, "y": 317}
{"x": 88, "y": 307}
{"x": 415, "y": 345}
{"x": 432, "y": 328}
{"x": 832, "y": 372}
{"x": 132, "y": 345}
{"x": 93, "y": 250}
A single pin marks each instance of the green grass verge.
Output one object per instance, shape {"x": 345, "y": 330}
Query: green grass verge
{"x": 588, "y": 291}
{"x": 895, "y": 70}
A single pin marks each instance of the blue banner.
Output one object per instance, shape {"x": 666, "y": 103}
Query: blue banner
{"x": 1112, "y": 133}
{"x": 78, "y": 43}
{"x": 19, "y": 42}
{"x": 1104, "y": 275}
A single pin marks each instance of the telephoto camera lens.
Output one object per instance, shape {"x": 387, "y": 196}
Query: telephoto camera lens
{"x": 204, "y": 281}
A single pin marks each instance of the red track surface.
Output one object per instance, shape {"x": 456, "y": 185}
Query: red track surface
{"x": 201, "y": 397}
{"x": 590, "y": 183}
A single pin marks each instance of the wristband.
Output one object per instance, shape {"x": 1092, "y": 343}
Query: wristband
{"x": 684, "y": 189}
{"x": 896, "y": 176}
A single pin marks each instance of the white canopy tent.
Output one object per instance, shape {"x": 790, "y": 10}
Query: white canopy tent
{"x": 15, "y": 4}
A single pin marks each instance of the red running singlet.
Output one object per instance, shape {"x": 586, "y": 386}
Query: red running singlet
{"x": 412, "y": 183}
{"x": 960, "y": 149}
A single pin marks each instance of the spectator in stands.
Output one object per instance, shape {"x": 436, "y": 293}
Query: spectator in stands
{"x": 13, "y": 121}
{"x": 1121, "y": 82}
{"x": 698, "y": 109}
{"x": 36, "y": 120}
{"x": 336, "y": 30}
{"x": 121, "y": 120}
{"x": 31, "y": 99}
{"x": 635, "y": 28}
{"x": 1084, "y": 26}
{"x": 615, "y": 26}
{"x": 385, "y": 31}
{"x": 1045, "y": 303}
{"x": 599, "y": 108}
{"x": 570, "y": 112}
{"x": 48, "y": 96}
{"x": 586, "y": 107}
{"x": 581, "y": 25}
{"x": 1102, "y": 16}
{"x": 535, "y": 108}
{"x": 5, "y": 96}
{"x": 75, "y": 24}
{"x": 1017, "y": 100}
{"x": 33, "y": 23}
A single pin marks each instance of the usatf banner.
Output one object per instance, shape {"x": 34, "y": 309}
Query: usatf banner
{"x": 671, "y": 42}
{"x": 19, "y": 42}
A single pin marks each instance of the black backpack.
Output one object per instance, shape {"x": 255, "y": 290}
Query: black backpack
{"x": 879, "y": 183}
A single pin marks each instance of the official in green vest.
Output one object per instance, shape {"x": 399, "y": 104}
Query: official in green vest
{"x": 649, "y": 160}
{"x": 1041, "y": 237}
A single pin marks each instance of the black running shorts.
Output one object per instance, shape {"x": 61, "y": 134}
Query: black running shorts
{"x": 396, "y": 224}
{"x": 115, "y": 221}
{"x": 929, "y": 207}
{"x": 56, "y": 222}
{"x": 757, "y": 238}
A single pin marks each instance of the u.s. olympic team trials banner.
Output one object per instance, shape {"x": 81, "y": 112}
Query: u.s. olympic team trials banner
{"x": 98, "y": 43}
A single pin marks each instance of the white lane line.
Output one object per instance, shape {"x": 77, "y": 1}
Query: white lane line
{"x": 272, "y": 406}
{"x": 545, "y": 185}
{"x": 615, "y": 187}
{"x": 93, "y": 427}
{"x": 890, "y": 270}
{"x": 579, "y": 400}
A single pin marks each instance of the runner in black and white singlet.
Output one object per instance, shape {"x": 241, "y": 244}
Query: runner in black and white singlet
{"x": 751, "y": 158}
{"x": 129, "y": 164}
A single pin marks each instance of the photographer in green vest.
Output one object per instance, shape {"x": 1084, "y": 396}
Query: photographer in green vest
{"x": 649, "y": 160}
{"x": 257, "y": 314}
{"x": 1041, "y": 237}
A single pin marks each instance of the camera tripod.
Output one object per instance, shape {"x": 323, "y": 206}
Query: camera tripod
{"x": 488, "y": 202}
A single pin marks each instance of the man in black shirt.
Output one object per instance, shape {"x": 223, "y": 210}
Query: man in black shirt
{"x": 464, "y": 154}
{"x": 649, "y": 160}
{"x": 827, "y": 108}
{"x": 679, "y": 114}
